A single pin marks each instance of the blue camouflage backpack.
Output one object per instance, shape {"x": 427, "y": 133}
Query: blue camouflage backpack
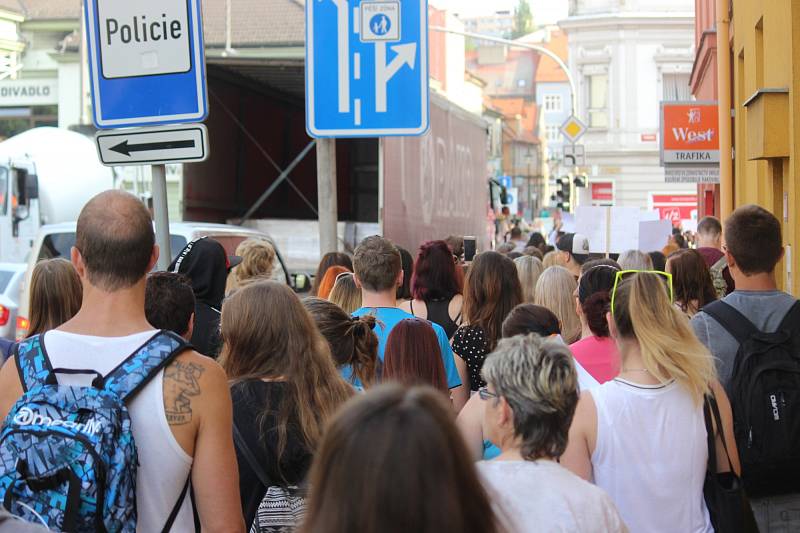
{"x": 67, "y": 454}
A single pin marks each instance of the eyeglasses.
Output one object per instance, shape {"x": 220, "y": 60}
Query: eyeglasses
{"x": 486, "y": 394}
{"x": 621, "y": 274}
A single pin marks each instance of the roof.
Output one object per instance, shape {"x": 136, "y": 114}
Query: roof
{"x": 555, "y": 40}
{"x": 549, "y": 71}
{"x": 10, "y": 5}
{"x": 525, "y": 130}
{"x": 48, "y": 9}
{"x": 503, "y": 78}
{"x": 255, "y": 23}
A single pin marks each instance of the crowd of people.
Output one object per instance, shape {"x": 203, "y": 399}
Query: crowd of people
{"x": 534, "y": 388}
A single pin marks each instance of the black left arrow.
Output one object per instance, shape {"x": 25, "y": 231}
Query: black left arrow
{"x": 125, "y": 149}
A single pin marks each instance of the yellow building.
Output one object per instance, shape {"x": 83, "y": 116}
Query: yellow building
{"x": 765, "y": 98}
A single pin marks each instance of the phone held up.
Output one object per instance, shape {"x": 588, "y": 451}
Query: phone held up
{"x": 470, "y": 249}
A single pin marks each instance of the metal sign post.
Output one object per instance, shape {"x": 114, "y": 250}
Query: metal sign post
{"x": 326, "y": 187}
{"x": 161, "y": 215}
{"x": 147, "y": 68}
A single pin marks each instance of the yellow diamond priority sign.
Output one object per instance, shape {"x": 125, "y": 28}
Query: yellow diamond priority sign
{"x": 573, "y": 129}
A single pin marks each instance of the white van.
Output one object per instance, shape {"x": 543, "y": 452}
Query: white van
{"x": 56, "y": 240}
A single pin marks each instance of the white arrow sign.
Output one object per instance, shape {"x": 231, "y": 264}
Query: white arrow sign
{"x": 143, "y": 146}
{"x": 406, "y": 55}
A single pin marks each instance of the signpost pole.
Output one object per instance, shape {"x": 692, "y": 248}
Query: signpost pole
{"x": 161, "y": 215}
{"x": 326, "y": 194}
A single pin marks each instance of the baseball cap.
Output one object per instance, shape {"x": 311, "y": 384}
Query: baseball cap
{"x": 576, "y": 244}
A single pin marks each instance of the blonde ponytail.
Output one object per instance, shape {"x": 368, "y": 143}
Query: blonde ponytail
{"x": 669, "y": 348}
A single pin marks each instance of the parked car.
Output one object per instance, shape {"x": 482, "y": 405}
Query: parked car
{"x": 11, "y": 276}
{"x": 56, "y": 241}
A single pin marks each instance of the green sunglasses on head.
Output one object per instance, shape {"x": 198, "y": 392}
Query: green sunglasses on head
{"x": 622, "y": 273}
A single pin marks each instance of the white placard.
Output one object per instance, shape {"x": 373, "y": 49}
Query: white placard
{"x": 568, "y": 223}
{"x": 592, "y": 222}
{"x": 689, "y": 225}
{"x": 655, "y": 214}
{"x": 624, "y": 229}
{"x": 144, "y": 38}
{"x": 654, "y": 235}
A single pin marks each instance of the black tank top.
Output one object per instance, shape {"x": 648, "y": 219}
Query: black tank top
{"x": 439, "y": 313}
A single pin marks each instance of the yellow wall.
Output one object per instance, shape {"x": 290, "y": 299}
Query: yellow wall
{"x": 765, "y": 54}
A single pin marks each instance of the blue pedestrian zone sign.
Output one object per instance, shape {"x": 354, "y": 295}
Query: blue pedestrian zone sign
{"x": 146, "y": 62}
{"x": 366, "y": 68}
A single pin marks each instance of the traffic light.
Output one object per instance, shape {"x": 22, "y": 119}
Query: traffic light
{"x": 581, "y": 180}
{"x": 563, "y": 193}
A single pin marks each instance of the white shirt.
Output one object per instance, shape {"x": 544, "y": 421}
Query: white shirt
{"x": 163, "y": 465}
{"x": 651, "y": 455}
{"x": 542, "y": 496}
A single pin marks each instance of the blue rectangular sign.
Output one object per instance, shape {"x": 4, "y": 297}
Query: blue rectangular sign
{"x": 146, "y": 62}
{"x": 367, "y": 68}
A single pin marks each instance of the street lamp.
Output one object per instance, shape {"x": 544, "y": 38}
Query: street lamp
{"x": 542, "y": 50}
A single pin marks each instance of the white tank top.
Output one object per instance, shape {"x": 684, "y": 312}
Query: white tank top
{"x": 651, "y": 455}
{"x": 163, "y": 465}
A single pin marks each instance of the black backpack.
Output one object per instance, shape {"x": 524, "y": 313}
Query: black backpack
{"x": 764, "y": 392}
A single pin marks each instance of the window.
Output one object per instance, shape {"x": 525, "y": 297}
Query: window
{"x": 522, "y": 83}
{"x": 60, "y": 244}
{"x": 553, "y": 133}
{"x": 676, "y": 87}
{"x": 552, "y": 102}
{"x": 597, "y": 109}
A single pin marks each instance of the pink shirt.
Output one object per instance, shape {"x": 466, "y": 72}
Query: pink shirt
{"x": 599, "y": 356}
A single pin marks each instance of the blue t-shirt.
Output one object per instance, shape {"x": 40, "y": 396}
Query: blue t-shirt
{"x": 387, "y": 318}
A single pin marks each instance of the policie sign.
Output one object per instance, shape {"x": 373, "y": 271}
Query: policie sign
{"x": 147, "y": 62}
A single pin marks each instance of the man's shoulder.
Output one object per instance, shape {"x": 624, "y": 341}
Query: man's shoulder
{"x": 193, "y": 383}
{"x": 387, "y": 316}
{"x": 197, "y": 364}
{"x": 754, "y": 302}
{"x": 710, "y": 255}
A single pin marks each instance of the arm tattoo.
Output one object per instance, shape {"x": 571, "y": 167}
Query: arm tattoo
{"x": 181, "y": 383}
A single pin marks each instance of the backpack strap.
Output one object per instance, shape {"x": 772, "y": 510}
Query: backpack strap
{"x": 732, "y": 320}
{"x": 721, "y": 264}
{"x": 33, "y": 365}
{"x": 254, "y": 464}
{"x": 127, "y": 379}
{"x": 791, "y": 322}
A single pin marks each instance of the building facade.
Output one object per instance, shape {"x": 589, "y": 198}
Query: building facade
{"x": 498, "y": 24}
{"x": 554, "y": 100}
{"x": 704, "y": 85}
{"x": 765, "y": 88}
{"x": 627, "y": 57}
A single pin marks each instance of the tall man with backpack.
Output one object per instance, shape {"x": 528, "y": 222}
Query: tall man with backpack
{"x": 754, "y": 334}
{"x": 111, "y": 425}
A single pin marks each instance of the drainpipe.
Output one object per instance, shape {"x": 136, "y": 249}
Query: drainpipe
{"x": 726, "y": 198}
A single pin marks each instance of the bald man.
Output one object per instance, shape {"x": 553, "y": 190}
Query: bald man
{"x": 182, "y": 418}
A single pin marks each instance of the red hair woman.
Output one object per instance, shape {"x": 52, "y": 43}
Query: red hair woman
{"x": 436, "y": 287}
{"x": 413, "y": 356}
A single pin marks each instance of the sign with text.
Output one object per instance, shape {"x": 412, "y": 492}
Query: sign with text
{"x": 675, "y": 207}
{"x": 689, "y": 133}
{"x": 146, "y": 62}
{"x": 28, "y": 92}
{"x": 687, "y": 174}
